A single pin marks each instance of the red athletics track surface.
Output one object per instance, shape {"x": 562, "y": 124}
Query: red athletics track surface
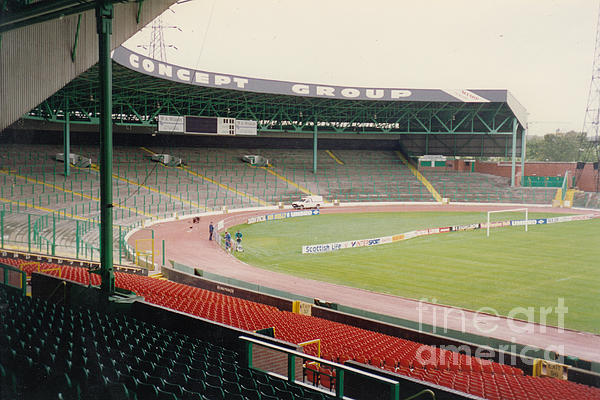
{"x": 191, "y": 247}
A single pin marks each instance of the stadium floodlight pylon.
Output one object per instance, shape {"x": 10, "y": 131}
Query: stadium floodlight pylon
{"x": 505, "y": 211}
{"x": 591, "y": 120}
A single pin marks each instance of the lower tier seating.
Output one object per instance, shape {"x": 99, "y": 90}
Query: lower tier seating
{"x": 341, "y": 342}
{"x": 50, "y": 351}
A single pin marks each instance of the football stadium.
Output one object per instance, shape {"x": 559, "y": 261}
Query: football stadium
{"x": 173, "y": 233}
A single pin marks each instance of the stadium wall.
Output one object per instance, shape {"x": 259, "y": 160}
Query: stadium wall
{"x": 229, "y": 290}
{"x": 587, "y": 181}
{"x": 499, "y": 169}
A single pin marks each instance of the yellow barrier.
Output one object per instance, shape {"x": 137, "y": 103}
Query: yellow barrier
{"x": 144, "y": 253}
{"x": 334, "y": 157}
{"x": 421, "y": 178}
{"x": 317, "y": 341}
{"x": 550, "y": 369}
{"x": 39, "y": 269}
{"x": 302, "y": 308}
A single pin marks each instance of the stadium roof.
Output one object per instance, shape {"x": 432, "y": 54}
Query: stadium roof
{"x": 159, "y": 69}
{"x": 143, "y": 88}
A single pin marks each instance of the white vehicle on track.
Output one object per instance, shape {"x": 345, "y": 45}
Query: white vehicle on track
{"x": 308, "y": 202}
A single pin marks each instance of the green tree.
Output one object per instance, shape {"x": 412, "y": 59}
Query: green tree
{"x": 560, "y": 146}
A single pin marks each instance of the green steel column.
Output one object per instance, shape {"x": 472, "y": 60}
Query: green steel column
{"x": 104, "y": 15}
{"x": 2, "y": 228}
{"x": 291, "y": 368}
{"x": 24, "y": 283}
{"x": 339, "y": 386}
{"x": 67, "y": 139}
{"x": 120, "y": 245}
{"x": 77, "y": 244}
{"x": 523, "y": 153}
{"x": 315, "y": 148}
{"x": 249, "y": 353}
{"x": 53, "y": 248}
{"x": 395, "y": 391}
{"x": 74, "y": 51}
{"x": 29, "y": 233}
{"x": 514, "y": 153}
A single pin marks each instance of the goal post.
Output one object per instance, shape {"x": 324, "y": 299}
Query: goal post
{"x": 489, "y": 213}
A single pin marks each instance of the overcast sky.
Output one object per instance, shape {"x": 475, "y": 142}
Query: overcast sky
{"x": 540, "y": 50}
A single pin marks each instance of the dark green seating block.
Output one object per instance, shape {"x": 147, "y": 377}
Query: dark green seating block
{"x": 54, "y": 351}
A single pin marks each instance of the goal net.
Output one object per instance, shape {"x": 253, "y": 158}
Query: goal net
{"x": 499, "y": 218}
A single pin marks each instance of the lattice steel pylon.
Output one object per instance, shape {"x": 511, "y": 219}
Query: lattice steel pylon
{"x": 157, "y": 49}
{"x": 591, "y": 121}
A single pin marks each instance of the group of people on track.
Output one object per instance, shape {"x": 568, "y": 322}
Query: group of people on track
{"x": 227, "y": 237}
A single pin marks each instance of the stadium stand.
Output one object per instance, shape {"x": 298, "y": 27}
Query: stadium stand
{"x": 213, "y": 178}
{"x": 46, "y": 212}
{"x": 340, "y": 342}
{"x": 485, "y": 188}
{"x": 363, "y": 176}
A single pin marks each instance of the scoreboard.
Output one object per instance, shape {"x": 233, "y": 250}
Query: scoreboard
{"x": 193, "y": 125}
{"x": 200, "y": 125}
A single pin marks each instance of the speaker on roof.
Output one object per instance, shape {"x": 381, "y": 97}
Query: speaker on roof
{"x": 580, "y": 165}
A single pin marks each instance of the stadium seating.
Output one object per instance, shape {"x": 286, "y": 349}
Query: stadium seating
{"x": 342, "y": 342}
{"x": 63, "y": 212}
{"x": 50, "y": 351}
{"x": 484, "y": 188}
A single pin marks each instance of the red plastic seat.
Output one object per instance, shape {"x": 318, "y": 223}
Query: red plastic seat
{"x": 327, "y": 377}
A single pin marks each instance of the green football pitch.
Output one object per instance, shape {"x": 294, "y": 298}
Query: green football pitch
{"x": 512, "y": 268}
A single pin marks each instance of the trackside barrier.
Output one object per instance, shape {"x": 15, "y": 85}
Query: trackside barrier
{"x": 239, "y": 283}
{"x": 392, "y": 386}
{"x": 349, "y": 244}
{"x": 282, "y": 215}
{"x": 13, "y": 277}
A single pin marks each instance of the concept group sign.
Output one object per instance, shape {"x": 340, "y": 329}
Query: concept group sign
{"x": 149, "y": 66}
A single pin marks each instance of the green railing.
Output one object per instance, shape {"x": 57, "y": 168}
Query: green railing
{"x": 564, "y": 186}
{"x": 393, "y": 387}
{"x": 13, "y": 277}
{"x": 40, "y": 234}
